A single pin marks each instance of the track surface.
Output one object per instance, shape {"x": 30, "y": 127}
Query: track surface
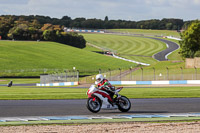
{"x": 162, "y": 56}
{"x": 11, "y": 108}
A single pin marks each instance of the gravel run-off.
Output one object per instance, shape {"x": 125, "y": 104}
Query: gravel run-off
{"x": 130, "y": 127}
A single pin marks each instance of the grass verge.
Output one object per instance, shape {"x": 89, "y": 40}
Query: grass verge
{"x": 19, "y": 80}
{"x": 44, "y": 93}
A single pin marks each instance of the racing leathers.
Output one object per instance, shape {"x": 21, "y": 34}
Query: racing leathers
{"x": 106, "y": 86}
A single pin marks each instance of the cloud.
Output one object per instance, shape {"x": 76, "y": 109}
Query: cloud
{"x": 156, "y": 2}
{"x": 114, "y": 9}
{"x": 17, "y": 2}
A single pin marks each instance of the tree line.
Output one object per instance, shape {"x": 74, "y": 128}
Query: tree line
{"x": 190, "y": 43}
{"x": 164, "y": 24}
{"x": 22, "y": 28}
{"x": 36, "y": 27}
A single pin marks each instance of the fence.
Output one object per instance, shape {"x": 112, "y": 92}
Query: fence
{"x": 143, "y": 74}
{"x": 165, "y": 74}
{"x": 121, "y": 74}
{"x": 72, "y": 76}
{"x": 28, "y": 72}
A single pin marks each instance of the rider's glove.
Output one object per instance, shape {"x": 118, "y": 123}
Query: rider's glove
{"x": 104, "y": 86}
{"x": 101, "y": 87}
{"x": 107, "y": 88}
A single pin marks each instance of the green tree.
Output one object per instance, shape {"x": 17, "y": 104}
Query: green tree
{"x": 49, "y": 35}
{"x": 19, "y": 32}
{"x": 106, "y": 19}
{"x": 35, "y": 24}
{"x": 5, "y": 25}
{"x": 197, "y": 54}
{"x": 169, "y": 26}
{"x": 190, "y": 40}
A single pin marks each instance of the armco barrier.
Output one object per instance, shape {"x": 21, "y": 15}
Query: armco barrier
{"x": 166, "y": 82}
{"x": 59, "y": 84}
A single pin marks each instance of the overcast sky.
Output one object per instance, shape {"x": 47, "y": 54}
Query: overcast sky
{"x": 115, "y": 9}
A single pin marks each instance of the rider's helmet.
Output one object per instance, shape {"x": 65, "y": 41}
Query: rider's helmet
{"x": 99, "y": 78}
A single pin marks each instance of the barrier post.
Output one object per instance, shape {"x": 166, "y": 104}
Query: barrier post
{"x": 195, "y": 72}
{"x": 78, "y": 76}
{"x": 70, "y": 75}
{"x": 142, "y": 73}
{"x": 99, "y": 71}
{"x": 181, "y": 73}
{"x": 110, "y": 73}
{"x": 130, "y": 73}
{"x": 120, "y": 73}
{"x": 65, "y": 75}
{"x": 73, "y": 74}
{"x": 154, "y": 73}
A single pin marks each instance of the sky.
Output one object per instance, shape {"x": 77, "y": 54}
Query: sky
{"x": 134, "y": 10}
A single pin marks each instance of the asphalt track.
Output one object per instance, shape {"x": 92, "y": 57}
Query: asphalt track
{"x": 13, "y": 108}
{"x": 171, "y": 46}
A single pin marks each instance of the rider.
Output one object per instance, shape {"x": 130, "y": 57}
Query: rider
{"x": 103, "y": 84}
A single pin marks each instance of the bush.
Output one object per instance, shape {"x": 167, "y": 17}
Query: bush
{"x": 72, "y": 39}
{"x": 190, "y": 43}
{"x": 197, "y": 54}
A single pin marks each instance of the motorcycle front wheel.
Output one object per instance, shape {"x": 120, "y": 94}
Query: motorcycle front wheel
{"x": 124, "y": 104}
{"x": 93, "y": 106}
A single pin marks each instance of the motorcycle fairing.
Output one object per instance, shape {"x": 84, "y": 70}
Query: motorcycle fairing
{"x": 103, "y": 96}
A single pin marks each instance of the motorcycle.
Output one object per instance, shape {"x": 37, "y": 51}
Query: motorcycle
{"x": 99, "y": 99}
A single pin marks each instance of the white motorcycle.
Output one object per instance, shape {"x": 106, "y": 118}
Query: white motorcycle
{"x": 99, "y": 99}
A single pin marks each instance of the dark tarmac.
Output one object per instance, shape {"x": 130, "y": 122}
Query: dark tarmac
{"x": 162, "y": 56}
{"x": 14, "y": 108}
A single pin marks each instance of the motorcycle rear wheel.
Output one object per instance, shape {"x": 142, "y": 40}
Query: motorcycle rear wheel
{"x": 94, "y": 106}
{"x": 124, "y": 104}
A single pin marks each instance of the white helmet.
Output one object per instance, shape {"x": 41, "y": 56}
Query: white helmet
{"x": 99, "y": 78}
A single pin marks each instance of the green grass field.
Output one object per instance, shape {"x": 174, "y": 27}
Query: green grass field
{"x": 149, "y": 32}
{"x": 127, "y": 49}
{"x": 31, "y": 56}
{"x": 20, "y": 58}
{"x": 134, "y": 48}
{"x": 21, "y": 55}
{"x": 24, "y": 55}
{"x": 19, "y": 80}
{"x": 21, "y": 93}
{"x": 174, "y": 65}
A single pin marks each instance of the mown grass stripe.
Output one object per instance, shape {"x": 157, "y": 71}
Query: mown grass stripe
{"x": 22, "y": 55}
{"x": 128, "y": 45}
